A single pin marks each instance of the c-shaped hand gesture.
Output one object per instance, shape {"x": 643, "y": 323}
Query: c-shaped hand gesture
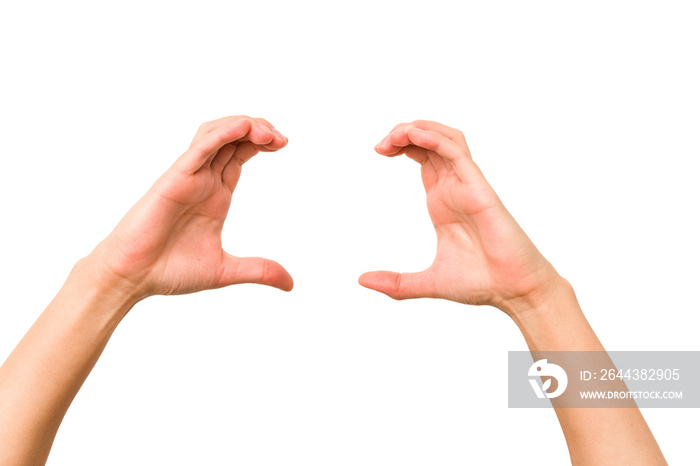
{"x": 483, "y": 256}
{"x": 170, "y": 241}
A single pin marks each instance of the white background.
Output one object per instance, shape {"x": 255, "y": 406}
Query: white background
{"x": 583, "y": 117}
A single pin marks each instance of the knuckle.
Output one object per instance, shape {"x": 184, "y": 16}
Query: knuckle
{"x": 233, "y": 119}
{"x": 221, "y": 138}
{"x": 264, "y": 271}
{"x": 397, "y": 282}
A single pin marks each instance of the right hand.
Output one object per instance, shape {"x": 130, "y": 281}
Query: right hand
{"x": 483, "y": 256}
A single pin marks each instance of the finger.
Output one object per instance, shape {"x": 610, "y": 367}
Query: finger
{"x": 451, "y": 133}
{"x": 214, "y": 135}
{"x": 437, "y": 161}
{"x": 232, "y": 171}
{"x": 432, "y": 141}
{"x": 277, "y": 143}
{"x": 280, "y": 140}
{"x": 418, "y": 154}
{"x": 206, "y": 146}
{"x": 385, "y": 147}
{"x": 242, "y": 152}
{"x": 422, "y": 145}
{"x": 430, "y": 174}
{"x": 244, "y": 149}
{"x": 223, "y": 156}
{"x": 209, "y": 126}
{"x": 259, "y": 136}
{"x": 398, "y": 285}
{"x": 237, "y": 270}
{"x": 397, "y": 142}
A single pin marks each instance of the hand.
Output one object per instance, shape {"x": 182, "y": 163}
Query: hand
{"x": 170, "y": 241}
{"x": 483, "y": 256}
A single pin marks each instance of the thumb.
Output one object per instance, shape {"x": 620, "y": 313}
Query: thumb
{"x": 237, "y": 270}
{"x": 398, "y": 285}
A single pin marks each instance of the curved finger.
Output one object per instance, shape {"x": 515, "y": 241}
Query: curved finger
{"x": 437, "y": 161}
{"x": 430, "y": 173}
{"x": 280, "y": 139}
{"x": 451, "y": 152}
{"x": 447, "y": 131}
{"x": 388, "y": 147}
{"x": 232, "y": 171}
{"x": 223, "y": 157}
{"x": 260, "y": 136}
{"x": 209, "y": 126}
{"x": 385, "y": 146}
{"x": 243, "y": 149}
{"x": 430, "y": 140}
{"x": 205, "y": 147}
{"x": 398, "y": 142}
{"x": 213, "y": 136}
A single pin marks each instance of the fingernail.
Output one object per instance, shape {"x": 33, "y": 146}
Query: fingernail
{"x": 384, "y": 141}
{"x": 278, "y": 135}
{"x": 266, "y": 129}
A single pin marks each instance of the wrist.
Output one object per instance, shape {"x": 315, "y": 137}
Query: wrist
{"x": 110, "y": 296}
{"x": 551, "y": 290}
{"x": 553, "y": 320}
{"x": 118, "y": 276}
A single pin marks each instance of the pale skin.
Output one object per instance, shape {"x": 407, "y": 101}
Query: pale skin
{"x": 484, "y": 258}
{"x": 170, "y": 243}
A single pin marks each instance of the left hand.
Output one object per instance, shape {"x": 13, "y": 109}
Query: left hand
{"x": 170, "y": 241}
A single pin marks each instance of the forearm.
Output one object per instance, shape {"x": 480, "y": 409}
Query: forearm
{"x": 168, "y": 243}
{"x": 47, "y": 368}
{"x": 596, "y": 436}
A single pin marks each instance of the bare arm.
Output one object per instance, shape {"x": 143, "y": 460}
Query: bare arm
{"x": 168, "y": 243}
{"x": 485, "y": 258}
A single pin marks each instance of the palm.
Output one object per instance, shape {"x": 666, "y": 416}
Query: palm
{"x": 190, "y": 256}
{"x": 479, "y": 254}
{"x": 483, "y": 257}
{"x": 170, "y": 241}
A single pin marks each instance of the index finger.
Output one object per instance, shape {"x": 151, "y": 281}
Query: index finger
{"x": 205, "y": 146}
{"x": 442, "y": 146}
{"x": 388, "y": 147}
